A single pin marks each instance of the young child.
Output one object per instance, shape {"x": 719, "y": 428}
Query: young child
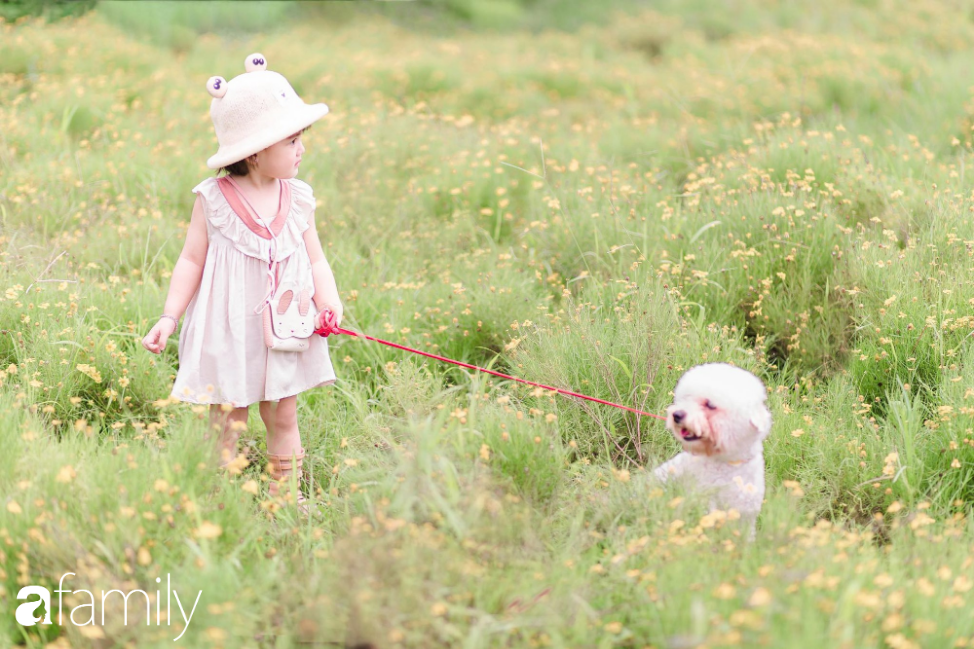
{"x": 251, "y": 232}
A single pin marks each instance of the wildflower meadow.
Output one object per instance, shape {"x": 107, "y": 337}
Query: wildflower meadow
{"x": 596, "y": 200}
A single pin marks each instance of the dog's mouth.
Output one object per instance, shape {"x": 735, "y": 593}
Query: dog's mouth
{"x": 688, "y": 436}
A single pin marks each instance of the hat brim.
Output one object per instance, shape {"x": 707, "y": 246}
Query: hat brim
{"x": 301, "y": 118}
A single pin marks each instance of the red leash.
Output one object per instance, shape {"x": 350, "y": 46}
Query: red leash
{"x": 329, "y": 328}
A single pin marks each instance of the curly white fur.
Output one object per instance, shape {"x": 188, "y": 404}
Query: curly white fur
{"x": 719, "y": 414}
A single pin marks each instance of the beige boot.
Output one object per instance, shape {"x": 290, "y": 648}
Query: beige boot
{"x": 229, "y": 458}
{"x": 281, "y": 468}
{"x": 235, "y": 465}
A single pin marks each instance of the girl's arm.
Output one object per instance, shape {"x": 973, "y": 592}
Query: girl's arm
{"x": 326, "y": 292}
{"x": 185, "y": 281}
{"x": 188, "y": 271}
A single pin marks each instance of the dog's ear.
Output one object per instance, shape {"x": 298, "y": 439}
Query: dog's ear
{"x": 761, "y": 420}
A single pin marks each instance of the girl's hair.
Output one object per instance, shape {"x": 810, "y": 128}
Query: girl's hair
{"x": 242, "y": 167}
{"x": 238, "y": 168}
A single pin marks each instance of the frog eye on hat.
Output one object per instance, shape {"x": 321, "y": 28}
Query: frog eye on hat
{"x": 255, "y": 62}
{"x": 216, "y": 86}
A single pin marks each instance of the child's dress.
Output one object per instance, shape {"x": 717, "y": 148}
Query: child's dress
{"x": 222, "y": 354}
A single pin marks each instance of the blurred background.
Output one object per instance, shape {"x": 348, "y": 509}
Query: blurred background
{"x": 171, "y": 23}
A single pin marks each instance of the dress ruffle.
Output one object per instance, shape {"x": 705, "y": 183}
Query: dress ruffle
{"x": 302, "y": 203}
{"x": 222, "y": 217}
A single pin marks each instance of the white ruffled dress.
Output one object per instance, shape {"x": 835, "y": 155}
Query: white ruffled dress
{"x": 222, "y": 354}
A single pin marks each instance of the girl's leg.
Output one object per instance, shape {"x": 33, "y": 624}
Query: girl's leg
{"x": 283, "y": 436}
{"x": 284, "y": 453}
{"x": 227, "y": 422}
{"x": 267, "y": 416}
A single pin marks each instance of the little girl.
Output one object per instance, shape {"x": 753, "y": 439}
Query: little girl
{"x": 252, "y": 232}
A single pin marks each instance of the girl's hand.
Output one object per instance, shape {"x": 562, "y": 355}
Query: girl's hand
{"x": 155, "y": 340}
{"x": 328, "y": 319}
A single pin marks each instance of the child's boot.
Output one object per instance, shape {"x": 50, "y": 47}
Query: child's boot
{"x": 281, "y": 468}
{"x": 229, "y": 459}
{"x": 233, "y": 464}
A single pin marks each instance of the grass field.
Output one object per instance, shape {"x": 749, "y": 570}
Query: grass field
{"x": 771, "y": 183}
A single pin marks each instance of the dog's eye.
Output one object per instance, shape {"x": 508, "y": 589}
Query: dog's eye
{"x": 709, "y": 405}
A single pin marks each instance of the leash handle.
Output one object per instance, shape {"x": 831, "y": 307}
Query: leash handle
{"x": 329, "y": 328}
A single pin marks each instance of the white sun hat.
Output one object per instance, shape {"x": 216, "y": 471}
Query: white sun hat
{"x": 255, "y": 110}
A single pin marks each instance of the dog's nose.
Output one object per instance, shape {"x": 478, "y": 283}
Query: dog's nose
{"x": 678, "y": 416}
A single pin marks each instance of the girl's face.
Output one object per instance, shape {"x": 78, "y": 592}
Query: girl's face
{"x": 281, "y": 160}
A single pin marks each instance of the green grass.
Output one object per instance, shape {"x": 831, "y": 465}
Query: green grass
{"x": 597, "y": 202}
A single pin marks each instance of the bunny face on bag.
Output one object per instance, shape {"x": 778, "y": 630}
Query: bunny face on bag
{"x": 289, "y": 319}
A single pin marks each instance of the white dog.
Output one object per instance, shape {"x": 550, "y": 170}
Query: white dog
{"x": 719, "y": 414}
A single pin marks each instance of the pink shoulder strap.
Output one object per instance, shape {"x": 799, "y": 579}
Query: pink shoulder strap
{"x": 229, "y": 190}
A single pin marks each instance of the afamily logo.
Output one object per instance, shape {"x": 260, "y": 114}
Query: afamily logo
{"x": 27, "y": 612}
